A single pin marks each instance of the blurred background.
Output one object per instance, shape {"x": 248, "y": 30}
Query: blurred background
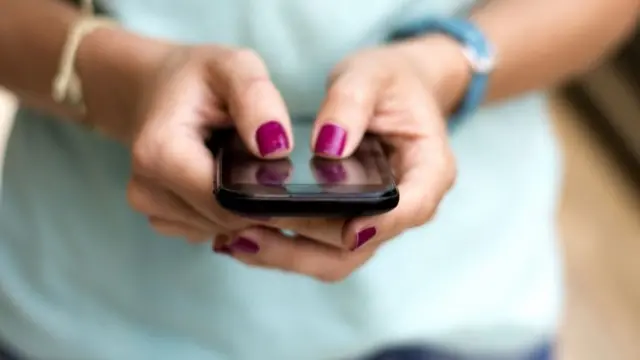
{"x": 598, "y": 120}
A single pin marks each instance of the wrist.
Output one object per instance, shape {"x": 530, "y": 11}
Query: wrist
{"x": 442, "y": 67}
{"x": 113, "y": 65}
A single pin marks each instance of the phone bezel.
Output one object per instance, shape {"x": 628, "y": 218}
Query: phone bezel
{"x": 226, "y": 161}
{"x": 304, "y": 199}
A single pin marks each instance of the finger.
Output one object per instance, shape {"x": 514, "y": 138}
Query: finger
{"x": 256, "y": 106}
{"x": 345, "y": 113}
{"x": 178, "y": 229}
{"x": 181, "y": 162}
{"x": 423, "y": 182}
{"x": 269, "y": 248}
{"x": 155, "y": 201}
{"x": 170, "y": 148}
{"x": 327, "y": 231}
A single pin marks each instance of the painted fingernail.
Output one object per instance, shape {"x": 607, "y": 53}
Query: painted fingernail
{"x": 220, "y": 245}
{"x": 331, "y": 140}
{"x": 363, "y": 236}
{"x": 271, "y": 138}
{"x": 244, "y": 245}
{"x": 222, "y": 250}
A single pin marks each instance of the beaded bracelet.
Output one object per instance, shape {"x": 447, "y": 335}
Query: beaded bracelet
{"x": 67, "y": 85}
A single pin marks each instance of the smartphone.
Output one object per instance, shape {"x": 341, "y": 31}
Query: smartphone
{"x": 303, "y": 185}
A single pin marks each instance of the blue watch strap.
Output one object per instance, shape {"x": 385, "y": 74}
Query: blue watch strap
{"x": 476, "y": 48}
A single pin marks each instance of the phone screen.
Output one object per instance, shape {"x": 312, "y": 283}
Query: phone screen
{"x": 365, "y": 171}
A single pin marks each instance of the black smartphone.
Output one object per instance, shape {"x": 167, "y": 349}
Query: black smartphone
{"x": 303, "y": 185}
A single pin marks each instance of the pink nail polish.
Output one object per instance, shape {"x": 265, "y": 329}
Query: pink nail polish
{"x": 223, "y": 250}
{"x": 244, "y": 245}
{"x": 271, "y": 137}
{"x": 363, "y": 236}
{"x": 331, "y": 141}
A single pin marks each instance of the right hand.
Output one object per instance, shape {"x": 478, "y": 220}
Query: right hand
{"x": 199, "y": 89}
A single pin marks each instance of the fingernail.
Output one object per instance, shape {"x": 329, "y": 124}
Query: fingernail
{"x": 271, "y": 138}
{"x": 223, "y": 250}
{"x": 220, "y": 245}
{"x": 331, "y": 140}
{"x": 363, "y": 236}
{"x": 244, "y": 245}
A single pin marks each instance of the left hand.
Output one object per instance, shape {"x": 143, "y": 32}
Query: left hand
{"x": 382, "y": 91}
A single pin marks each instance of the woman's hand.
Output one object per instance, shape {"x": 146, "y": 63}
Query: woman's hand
{"x": 196, "y": 90}
{"x": 383, "y": 91}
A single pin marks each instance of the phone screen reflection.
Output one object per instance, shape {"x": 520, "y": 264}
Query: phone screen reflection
{"x": 302, "y": 168}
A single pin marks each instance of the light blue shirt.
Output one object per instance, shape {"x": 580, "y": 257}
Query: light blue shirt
{"x": 84, "y": 277}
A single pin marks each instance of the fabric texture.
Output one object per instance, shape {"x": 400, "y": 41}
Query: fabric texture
{"x": 84, "y": 277}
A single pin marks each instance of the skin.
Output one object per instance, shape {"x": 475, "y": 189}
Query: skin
{"x": 170, "y": 95}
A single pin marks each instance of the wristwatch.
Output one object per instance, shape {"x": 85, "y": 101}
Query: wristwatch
{"x": 474, "y": 46}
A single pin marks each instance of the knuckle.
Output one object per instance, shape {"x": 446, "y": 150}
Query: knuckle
{"x": 169, "y": 152}
{"x": 428, "y": 215}
{"x": 398, "y": 223}
{"x": 244, "y": 59}
{"x": 162, "y": 230}
{"x": 422, "y": 214}
{"x": 143, "y": 159}
{"x": 333, "y": 276}
{"x": 429, "y": 211}
{"x": 170, "y": 156}
{"x": 346, "y": 264}
{"x": 248, "y": 77}
{"x": 344, "y": 92}
{"x": 137, "y": 197}
{"x": 245, "y": 56}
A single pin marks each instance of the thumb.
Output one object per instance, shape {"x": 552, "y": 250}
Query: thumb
{"x": 255, "y": 105}
{"x": 345, "y": 114}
